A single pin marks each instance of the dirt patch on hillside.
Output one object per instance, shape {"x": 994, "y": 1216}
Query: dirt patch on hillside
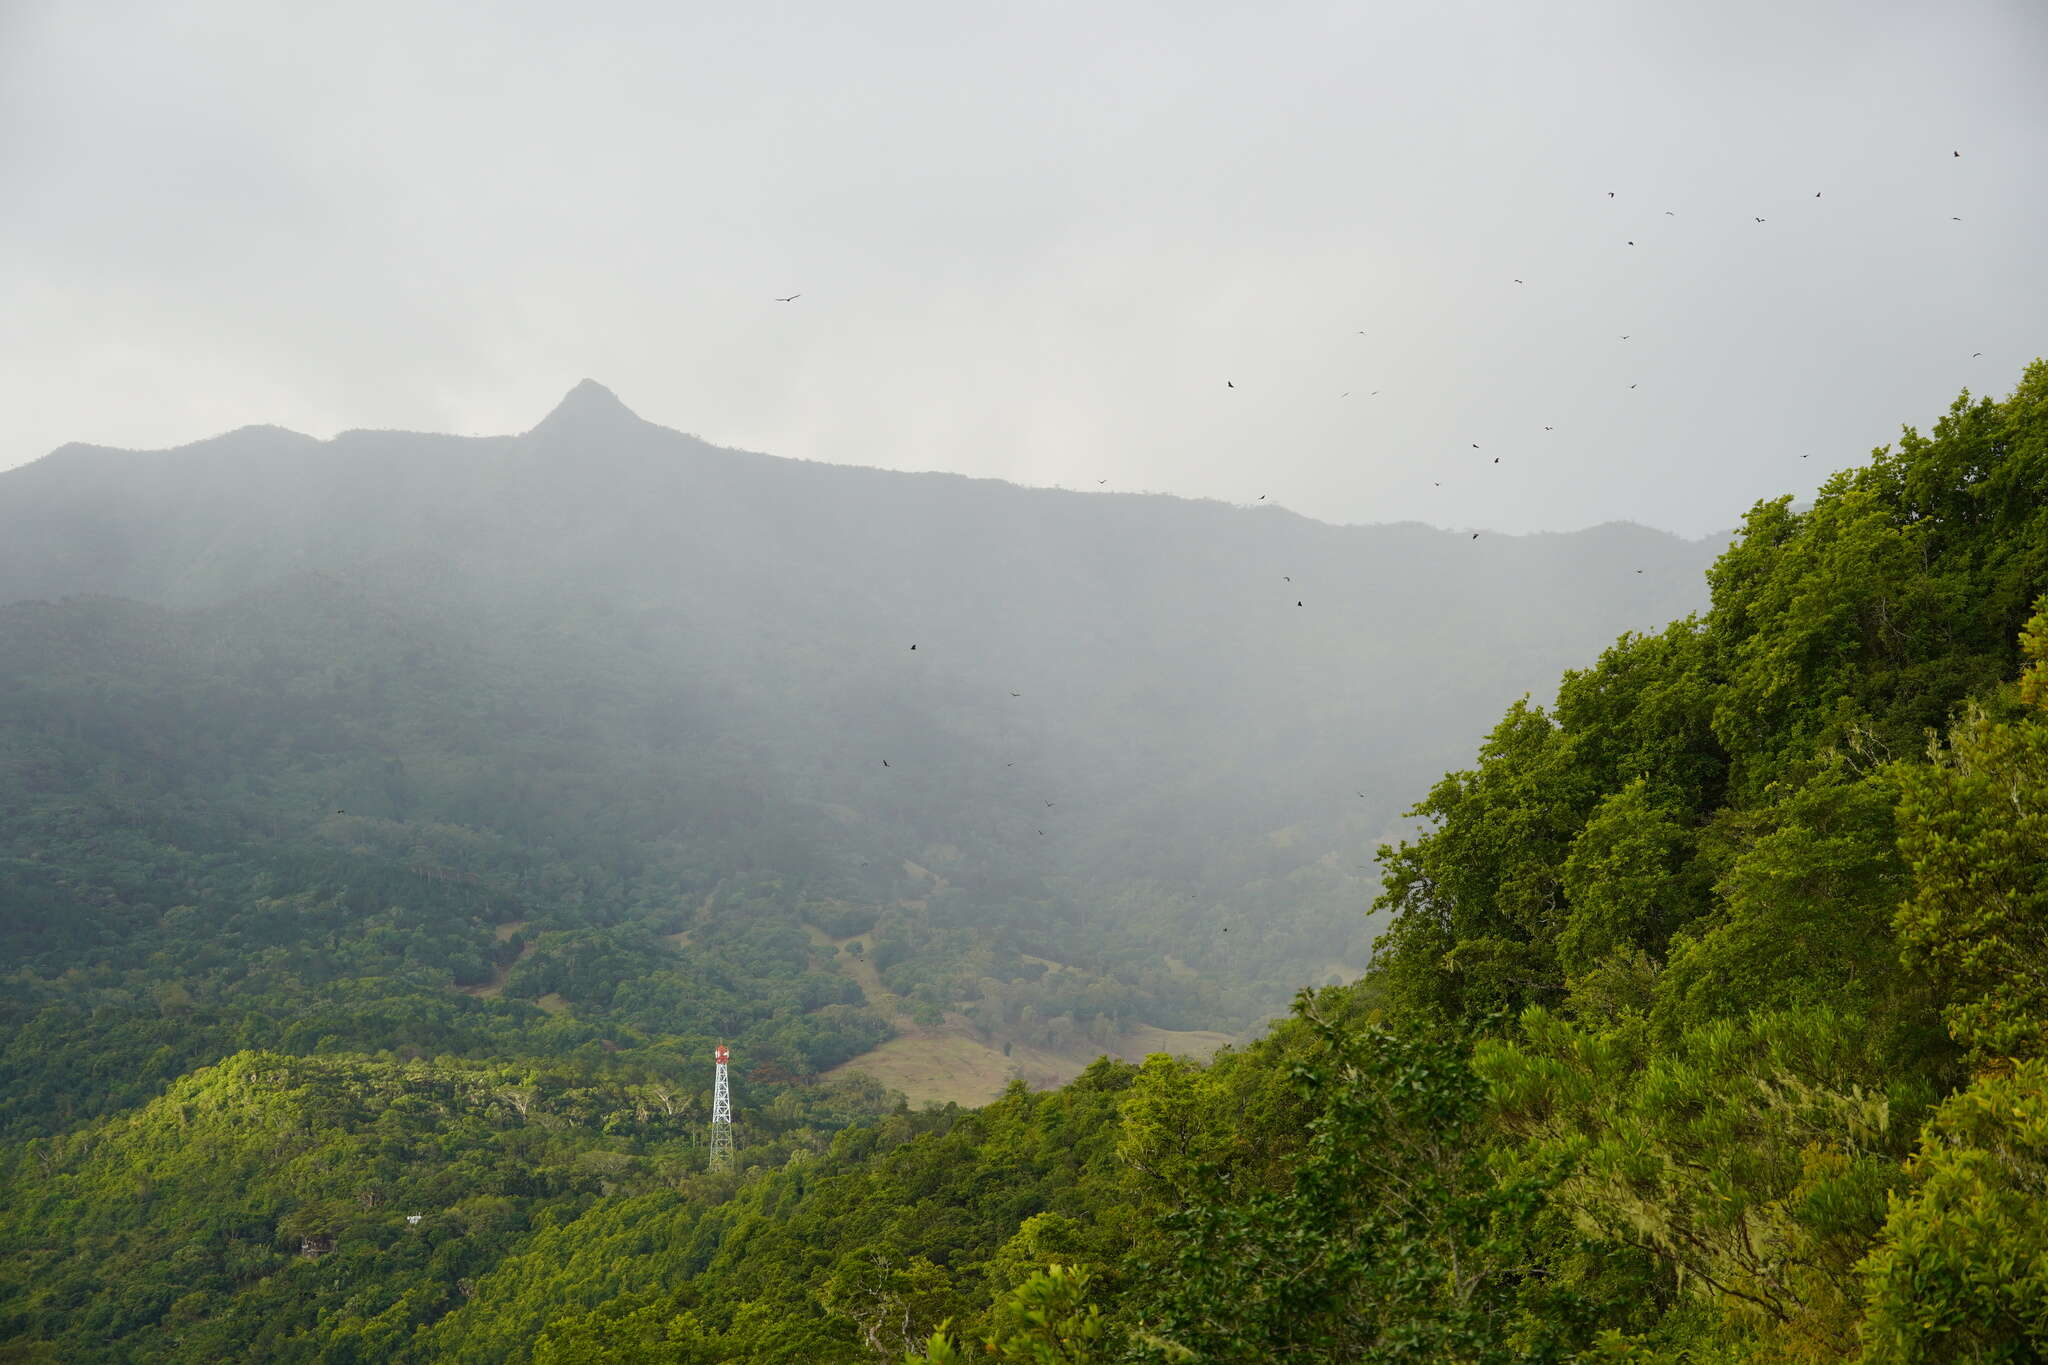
{"x": 495, "y": 987}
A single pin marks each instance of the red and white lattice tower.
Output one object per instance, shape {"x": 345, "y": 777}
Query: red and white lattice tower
{"x": 721, "y": 1116}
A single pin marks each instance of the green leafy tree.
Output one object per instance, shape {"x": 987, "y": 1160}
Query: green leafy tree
{"x": 893, "y": 1302}
{"x": 627, "y": 1329}
{"x": 1392, "y": 1241}
{"x": 1478, "y": 901}
{"x": 1806, "y": 893}
{"x": 1961, "y": 1271}
{"x": 1627, "y": 880}
{"x": 1046, "y": 1320}
{"x": 1753, "y": 1158}
{"x": 1974, "y": 828}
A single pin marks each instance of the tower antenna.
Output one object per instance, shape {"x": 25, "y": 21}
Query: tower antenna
{"x": 721, "y": 1115}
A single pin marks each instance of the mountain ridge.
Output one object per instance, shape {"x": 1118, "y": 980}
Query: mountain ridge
{"x": 591, "y": 408}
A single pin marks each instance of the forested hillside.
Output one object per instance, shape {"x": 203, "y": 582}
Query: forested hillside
{"x": 1710, "y": 1023}
{"x": 602, "y": 739}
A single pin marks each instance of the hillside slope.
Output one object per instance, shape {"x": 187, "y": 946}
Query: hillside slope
{"x": 655, "y": 668}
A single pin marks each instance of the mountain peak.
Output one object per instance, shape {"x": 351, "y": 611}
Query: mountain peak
{"x": 589, "y": 404}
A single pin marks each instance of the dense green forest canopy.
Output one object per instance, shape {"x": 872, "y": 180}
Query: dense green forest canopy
{"x": 1710, "y": 1024}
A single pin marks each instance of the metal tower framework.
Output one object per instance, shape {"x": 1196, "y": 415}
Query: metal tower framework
{"x": 721, "y": 1116}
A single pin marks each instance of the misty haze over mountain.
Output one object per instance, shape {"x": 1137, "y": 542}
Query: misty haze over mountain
{"x": 1108, "y": 727}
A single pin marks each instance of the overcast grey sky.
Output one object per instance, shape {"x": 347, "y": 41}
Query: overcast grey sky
{"x": 1036, "y": 241}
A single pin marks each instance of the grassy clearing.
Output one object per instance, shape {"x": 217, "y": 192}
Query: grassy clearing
{"x": 935, "y": 1067}
{"x": 1142, "y": 1041}
{"x": 954, "y": 1063}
